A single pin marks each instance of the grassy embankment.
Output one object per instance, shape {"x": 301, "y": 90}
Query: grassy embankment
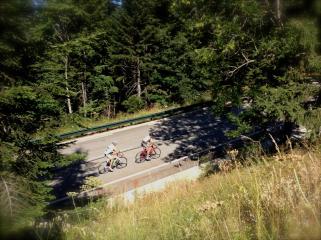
{"x": 279, "y": 198}
{"x": 76, "y": 122}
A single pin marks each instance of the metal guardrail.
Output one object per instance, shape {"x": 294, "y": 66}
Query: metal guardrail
{"x": 131, "y": 121}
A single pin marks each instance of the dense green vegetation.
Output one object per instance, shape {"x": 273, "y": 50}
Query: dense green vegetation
{"x": 62, "y": 59}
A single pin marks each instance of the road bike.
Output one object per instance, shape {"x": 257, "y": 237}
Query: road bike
{"x": 141, "y": 156}
{"x": 119, "y": 162}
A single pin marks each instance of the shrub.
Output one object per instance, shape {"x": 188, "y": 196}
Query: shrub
{"x": 133, "y": 104}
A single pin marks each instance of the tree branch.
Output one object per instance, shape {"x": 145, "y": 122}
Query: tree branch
{"x": 235, "y": 69}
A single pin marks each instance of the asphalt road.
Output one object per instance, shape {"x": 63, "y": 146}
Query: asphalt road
{"x": 178, "y": 135}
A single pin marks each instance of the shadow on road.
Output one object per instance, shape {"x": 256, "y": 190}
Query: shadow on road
{"x": 191, "y": 132}
{"x": 72, "y": 177}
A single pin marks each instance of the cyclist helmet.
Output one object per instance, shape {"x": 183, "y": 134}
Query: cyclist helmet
{"x": 114, "y": 143}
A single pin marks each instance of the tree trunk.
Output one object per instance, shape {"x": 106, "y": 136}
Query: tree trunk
{"x": 138, "y": 80}
{"x": 278, "y": 11}
{"x": 84, "y": 91}
{"x": 108, "y": 110}
{"x": 67, "y": 89}
{"x": 84, "y": 97}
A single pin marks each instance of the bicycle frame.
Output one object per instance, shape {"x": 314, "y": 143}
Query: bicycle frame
{"x": 144, "y": 151}
{"x": 115, "y": 159}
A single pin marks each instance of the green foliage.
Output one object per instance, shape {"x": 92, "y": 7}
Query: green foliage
{"x": 111, "y": 50}
{"x": 133, "y": 104}
{"x": 242, "y": 126}
{"x": 284, "y": 103}
{"x": 14, "y": 41}
{"x": 23, "y": 108}
{"x": 91, "y": 183}
{"x": 24, "y": 111}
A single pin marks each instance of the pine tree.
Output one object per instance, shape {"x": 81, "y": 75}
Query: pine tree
{"x": 74, "y": 33}
{"x": 133, "y": 32}
{"x": 23, "y": 112}
{"x": 15, "y": 18}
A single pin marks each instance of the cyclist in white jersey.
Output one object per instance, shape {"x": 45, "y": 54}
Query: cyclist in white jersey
{"x": 111, "y": 154}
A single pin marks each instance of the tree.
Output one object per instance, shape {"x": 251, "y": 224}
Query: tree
{"x": 73, "y": 29}
{"x": 133, "y": 31}
{"x": 63, "y": 20}
{"x": 15, "y": 18}
{"x": 23, "y": 112}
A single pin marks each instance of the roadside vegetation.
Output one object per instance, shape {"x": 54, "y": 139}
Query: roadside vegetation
{"x": 74, "y": 123}
{"x": 277, "y": 197}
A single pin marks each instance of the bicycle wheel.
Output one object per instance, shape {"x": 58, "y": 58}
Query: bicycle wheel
{"x": 102, "y": 168}
{"x": 121, "y": 162}
{"x": 155, "y": 153}
{"x": 140, "y": 157}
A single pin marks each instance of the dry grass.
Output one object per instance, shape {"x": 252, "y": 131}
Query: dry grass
{"x": 279, "y": 198}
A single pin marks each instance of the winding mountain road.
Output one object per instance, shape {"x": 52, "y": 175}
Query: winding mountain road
{"x": 177, "y": 136}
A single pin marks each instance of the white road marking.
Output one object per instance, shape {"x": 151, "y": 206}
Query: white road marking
{"x": 121, "y": 179}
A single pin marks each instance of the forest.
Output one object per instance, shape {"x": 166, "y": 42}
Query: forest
{"x": 63, "y": 61}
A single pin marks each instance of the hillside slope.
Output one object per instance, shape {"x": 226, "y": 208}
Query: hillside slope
{"x": 279, "y": 198}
